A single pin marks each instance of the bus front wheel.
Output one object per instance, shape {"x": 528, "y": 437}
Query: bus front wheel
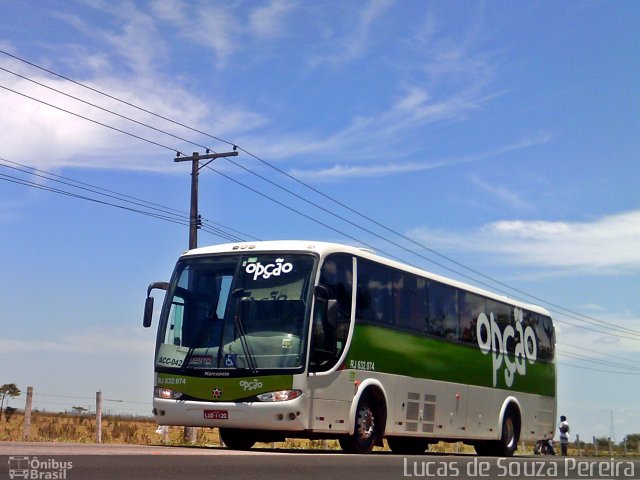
{"x": 237, "y": 439}
{"x": 368, "y": 427}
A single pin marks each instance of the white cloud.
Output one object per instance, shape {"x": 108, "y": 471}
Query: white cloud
{"x": 116, "y": 341}
{"x": 221, "y": 27}
{"x": 393, "y": 130}
{"x": 31, "y": 128}
{"x": 268, "y": 21}
{"x": 359, "y": 39}
{"x": 607, "y": 245}
{"x": 505, "y": 195}
{"x": 132, "y": 34}
{"x": 345, "y": 171}
{"x": 341, "y": 172}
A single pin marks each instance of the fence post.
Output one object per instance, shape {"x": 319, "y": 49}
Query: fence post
{"x": 99, "y": 416}
{"x": 27, "y": 414}
{"x": 595, "y": 445}
{"x": 190, "y": 434}
{"x": 578, "y": 443}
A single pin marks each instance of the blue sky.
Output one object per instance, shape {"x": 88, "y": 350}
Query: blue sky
{"x": 503, "y": 135}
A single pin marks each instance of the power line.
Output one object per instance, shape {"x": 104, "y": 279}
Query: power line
{"x": 597, "y": 369}
{"x": 618, "y": 328}
{"x": 584, "y": 318}
{"x": 605, "y": 354}
{"x": 92, "y": 190}
{"x": 606, "y": 363}
{"x": 207, "y": 224}
{"x": 19, "y": 181}
{"x": 315, "y": 220}
{"x": 27, "y": 183}
{"x": 388, "y": 254}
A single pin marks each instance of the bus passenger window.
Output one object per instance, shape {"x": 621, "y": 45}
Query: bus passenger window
{"x": 544, "y": 336}
{"x": 471, "y": 306}
{"x": 443, "y": 311}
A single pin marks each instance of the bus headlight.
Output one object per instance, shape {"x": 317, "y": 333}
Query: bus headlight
{"x": 166, "y": 393}
{"x": 279, "y": 396}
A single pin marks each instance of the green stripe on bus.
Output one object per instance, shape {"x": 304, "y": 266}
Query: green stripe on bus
{"x": 402, "y": 353}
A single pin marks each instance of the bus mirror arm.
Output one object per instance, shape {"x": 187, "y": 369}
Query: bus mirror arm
{"x": 322, "y": 292}
{"x": 148, "y": 304}
{"x": 158, "y": 285}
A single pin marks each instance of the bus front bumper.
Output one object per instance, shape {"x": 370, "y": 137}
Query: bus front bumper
{"x": 287, "y": 415}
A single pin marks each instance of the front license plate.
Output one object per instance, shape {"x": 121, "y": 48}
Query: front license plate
{"x": 216, "y": 414}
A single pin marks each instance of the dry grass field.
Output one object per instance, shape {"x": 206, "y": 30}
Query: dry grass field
{"x": 64, "y": 427}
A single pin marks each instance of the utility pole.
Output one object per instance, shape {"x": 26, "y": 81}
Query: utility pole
{"x": 99, "y": 416}
{"x": 194, "y": 218}
{"x": 190, "y": 433}
{"x": 27, "y": 414}
{"x": 612, "y": 429}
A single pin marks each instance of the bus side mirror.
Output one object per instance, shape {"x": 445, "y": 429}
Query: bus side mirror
{"x": 148, "y": 312}
{"x": 148, "y": 304}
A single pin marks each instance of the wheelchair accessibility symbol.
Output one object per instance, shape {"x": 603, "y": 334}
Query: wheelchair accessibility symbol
{"x": 230, "y": 360}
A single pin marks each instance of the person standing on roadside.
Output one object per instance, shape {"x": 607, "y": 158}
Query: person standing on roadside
{"x": 564, "y": 435}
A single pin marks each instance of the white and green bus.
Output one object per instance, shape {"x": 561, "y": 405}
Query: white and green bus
{"x": 304, "y": 339}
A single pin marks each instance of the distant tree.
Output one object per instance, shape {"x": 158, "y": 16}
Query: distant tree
{"x": 633, "y": 440}
{"x": 8, "y": 412}
{"x": 7, "y": 390}
{"x": 78, "y": 410}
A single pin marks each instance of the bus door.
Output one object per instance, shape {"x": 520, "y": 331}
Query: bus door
{"x": 330, "y": 389}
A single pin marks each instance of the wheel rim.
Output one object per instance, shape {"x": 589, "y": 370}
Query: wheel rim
{"x": 366, "y": 422}
{"x": 509, "y": 432}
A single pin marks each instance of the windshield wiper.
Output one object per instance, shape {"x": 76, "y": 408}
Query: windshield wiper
{"x": 248, "y": 355}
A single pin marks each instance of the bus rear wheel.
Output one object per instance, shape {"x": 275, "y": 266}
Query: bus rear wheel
{"x": 237, "y": 439}
{"x": 408, "y": 445}
{"x": 508, "y": 443}
{"x": 368, "y": 427}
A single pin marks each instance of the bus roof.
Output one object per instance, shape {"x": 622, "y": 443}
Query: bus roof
{"x": 325, "y": 248}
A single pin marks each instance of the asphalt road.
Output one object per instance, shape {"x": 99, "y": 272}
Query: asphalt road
{"x": 97, "y": 462}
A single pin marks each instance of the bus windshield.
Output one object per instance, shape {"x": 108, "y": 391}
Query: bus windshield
{"x": 236, "y": 312}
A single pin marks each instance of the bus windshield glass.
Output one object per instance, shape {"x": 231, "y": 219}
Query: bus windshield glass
{"x": 236, "y": 312}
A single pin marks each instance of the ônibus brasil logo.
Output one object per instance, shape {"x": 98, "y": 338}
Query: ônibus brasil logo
{"x": 268, "y": 270}
{"x": 492, "y": 340}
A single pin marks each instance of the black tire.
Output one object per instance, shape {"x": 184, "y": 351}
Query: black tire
{"x": 237, "y": 439}
{"x": 484, "y": 449}
{"x": 408, "y": 445}
{"x": 368, "y": 427}
{"x": 508, "y": 443}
